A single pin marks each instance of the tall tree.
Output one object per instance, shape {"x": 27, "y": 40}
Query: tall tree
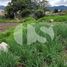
{"x": 17, "y": 5}
{"x": 23, "y": 7}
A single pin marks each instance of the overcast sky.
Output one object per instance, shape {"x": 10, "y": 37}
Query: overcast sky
{"x": 52, "y": 2}
{"x": 4, "y": 2}
{"x": 58, "y": 2}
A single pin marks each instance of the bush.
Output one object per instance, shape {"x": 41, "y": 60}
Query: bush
{"x": 8, "y": 12}
{"x": 9, "y": 15}
{"x": 39, "y": 13}
{"x": 55, "y": 10}
{"x": 25, "y": 12}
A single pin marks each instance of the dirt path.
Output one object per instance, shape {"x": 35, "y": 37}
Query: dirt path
{"x": 5, "y": 26}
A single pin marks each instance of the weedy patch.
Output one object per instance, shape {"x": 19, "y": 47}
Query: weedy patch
{"x": 36, "y": 54}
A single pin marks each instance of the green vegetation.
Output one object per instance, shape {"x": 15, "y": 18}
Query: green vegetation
{"x": 7, "y": 20}
{"x": 53, "y": 53}
{"x": 23, "y": 8}
{"x": 50, "y": 54}
{"x": 59, "y": 18}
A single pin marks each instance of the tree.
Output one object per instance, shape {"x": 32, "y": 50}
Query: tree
{"x": 23, "y": 7}
{"x": 42, "y": 7}
{"x": 55, "y": 10}
{"x": 41, "y": 3}
{"x": 17, "y": 6}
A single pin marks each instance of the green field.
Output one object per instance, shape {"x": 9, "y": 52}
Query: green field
{"x": 49, "y": 54}
{"x": 58, "y": 18}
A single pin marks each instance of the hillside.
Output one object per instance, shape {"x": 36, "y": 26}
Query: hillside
{"x": 2, "y": 7}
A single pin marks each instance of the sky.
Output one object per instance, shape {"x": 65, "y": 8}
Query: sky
{"x": 4, "y": 2}
{"x": 58, "y": 2}
{"x": 52, "y": 2}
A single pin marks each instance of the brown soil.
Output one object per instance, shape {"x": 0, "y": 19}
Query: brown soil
{"x": 5, "y": 26}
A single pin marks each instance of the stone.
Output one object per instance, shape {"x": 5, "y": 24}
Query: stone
{"x": 4, "y": 47}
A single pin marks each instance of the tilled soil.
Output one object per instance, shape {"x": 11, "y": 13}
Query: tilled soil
{"x": 6, "y": 26}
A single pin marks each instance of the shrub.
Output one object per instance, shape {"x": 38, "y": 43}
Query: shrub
{"x": 55, "y": 10}
{"x": 9, "y": 15}
{"x": 25, "y": 13}
{"x": 39, "y": 13}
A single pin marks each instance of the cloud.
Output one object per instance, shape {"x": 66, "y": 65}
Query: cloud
{"x": 51, "y": 2}
{"x": 58, "y": 2}
{"x": 4, "y": 2}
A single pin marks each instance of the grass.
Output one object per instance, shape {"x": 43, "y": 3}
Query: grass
{"x": 49, "y": 54}
{"x": 7, "y": 20}
{"x": 58, "y": 18}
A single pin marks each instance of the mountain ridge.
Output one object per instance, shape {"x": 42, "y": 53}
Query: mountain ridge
{"x": 62, "y": 7}
{"x": 2, "y": 7}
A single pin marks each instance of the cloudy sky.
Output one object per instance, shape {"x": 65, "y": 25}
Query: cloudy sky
{"x": 58, "y": 2}
{"x": 52, "y": 2}
{"x": 4, "y": 2}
